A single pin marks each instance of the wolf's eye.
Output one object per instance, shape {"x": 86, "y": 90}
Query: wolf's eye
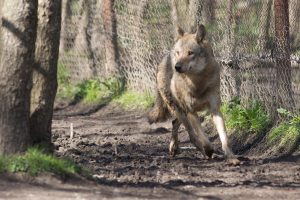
{"x": 190, "y": 53}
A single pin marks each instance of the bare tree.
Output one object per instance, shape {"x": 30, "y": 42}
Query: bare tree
{"x": 294, "y": 24}
{"x": 174, "y": 15}
{"x": 231, "y": 67}
{"x": 186, "y": 14}
{"x": 18, "y": 32}
{"x": 84, "y": 37}
{"x": 66, "y": 37}
{"x": 209, "y": 11}
{"x": 195, "y": 12}
{"x": 111, "y": 38}
{"x": 230, "y": 26}
{"x": 282, "y": 55}
{"x": 45, "y": 70}
{"x": 264, "y": 28}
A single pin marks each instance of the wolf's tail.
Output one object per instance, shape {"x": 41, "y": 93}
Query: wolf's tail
{"x": 159, "y": 111}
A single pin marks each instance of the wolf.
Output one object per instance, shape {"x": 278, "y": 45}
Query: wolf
{"x": 188, "y": 81}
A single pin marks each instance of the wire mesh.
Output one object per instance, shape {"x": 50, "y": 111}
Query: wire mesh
{"x": 133, "y": 36}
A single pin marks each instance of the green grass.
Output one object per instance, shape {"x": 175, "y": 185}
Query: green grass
{"x": 98, "y": 91}
{"x": 63, "y": 75}
{"x": 35, "y": 161}
{"x": 132, "y": 100}
{"x": 89, "y": 91}
{"x": 95, "y": 90}
{"x": 286, "y": 135}
{"x": 251, "y": 118}
{"x": 65, "y": 89}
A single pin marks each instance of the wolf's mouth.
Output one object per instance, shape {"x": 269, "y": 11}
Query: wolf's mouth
{"x": 179, "y": 70}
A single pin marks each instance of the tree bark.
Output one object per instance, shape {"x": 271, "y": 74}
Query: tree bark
{"x": 230, "y": 34}
{"x": 45, "y": 70}
{"x": 282, "y": 55}
{"x": 195, "y": 14}
{"x": 234, "y": 82}
{"x": 294, "y": 24}
{"x": 174, "y": 15}
{"x": 66, "y": 37}
{"x": 84, "y": 37}
{"x": 209, "y": 11}
{"x": 111, "y": 40}
{"x": 186, "y": 14}
{"x": 18, "y": 32}
{"x": 265, "y": 17}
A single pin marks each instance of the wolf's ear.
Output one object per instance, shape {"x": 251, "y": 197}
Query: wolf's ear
{"x": 200, "y": 34}
{"x": 179, "y": 32}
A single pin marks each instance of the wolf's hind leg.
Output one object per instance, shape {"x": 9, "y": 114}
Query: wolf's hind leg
{"x": 199, "y": 137}
{"x": 174, "y": 144}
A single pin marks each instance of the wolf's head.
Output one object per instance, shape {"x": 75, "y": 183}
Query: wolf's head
{"x": 191, "y": 51}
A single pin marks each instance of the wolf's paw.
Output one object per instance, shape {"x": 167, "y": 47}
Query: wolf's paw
{"x": 174, "y": 152}
{"x": 233, "y": 161}
{"x": 209, "y": 150}
{"x": 174, "y": 149}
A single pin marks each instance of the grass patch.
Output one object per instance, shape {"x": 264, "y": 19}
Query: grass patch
{"x": 250, "y": 118}
{"x": 65, "y": 90}
{"x": 131, "y": 99}
{"x": 35, "y": 161}
{"x": 286, "y": 135}
{"x": 98, "y": 91}
{"x": 95, "y": 90}
{"x": 89, "y": 91}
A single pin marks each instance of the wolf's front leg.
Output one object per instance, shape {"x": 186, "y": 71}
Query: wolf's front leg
{"x": 174, "y": 144}
{"x": 183, "y": 118}
{"x": 219, "y": 123}
{"x": 199, "y": 137}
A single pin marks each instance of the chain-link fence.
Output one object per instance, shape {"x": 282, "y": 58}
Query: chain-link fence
{"x": 131, "y": 37}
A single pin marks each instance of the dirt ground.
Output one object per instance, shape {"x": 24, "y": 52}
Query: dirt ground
{"x": 129, "y": 159}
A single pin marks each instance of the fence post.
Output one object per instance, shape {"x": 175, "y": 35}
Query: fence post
{"x": 283, "y": 90}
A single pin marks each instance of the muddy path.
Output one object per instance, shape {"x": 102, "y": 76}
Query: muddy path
{"x": 129, "y": 159}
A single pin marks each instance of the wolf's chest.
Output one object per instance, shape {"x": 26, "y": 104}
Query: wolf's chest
{"x": 187, "y": 96}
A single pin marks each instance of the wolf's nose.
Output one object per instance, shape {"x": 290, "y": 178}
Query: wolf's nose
{"x": 178, "y": 67}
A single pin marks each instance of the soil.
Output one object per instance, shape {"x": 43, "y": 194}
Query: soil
{"x": 129, "y": 160}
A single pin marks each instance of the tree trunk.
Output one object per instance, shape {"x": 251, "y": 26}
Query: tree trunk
{"x": 186, "y": 14}
{"x": 230, "y": 33}
{"x": 195, "y": 12}
{"x": 111, "y": 40}
{"x": 88, "y": 28}
{"x": 174, "y": 15}
{"x": 66, "y": 36}
{"x": 282, "y": 55}
{"x": 1, "y": 5}
{"x": 265, "y": 17}
{"x": 209, "y": 11}
{"x": 84, "y": 37}
{"x": 294, "y": 24}
{"x": 45, "y": 70}
{"x": 234, "y": 82}
{"x": 18, "y": 36}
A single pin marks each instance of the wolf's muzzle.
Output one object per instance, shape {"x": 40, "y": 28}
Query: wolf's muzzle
{"x": 178, "y": 67}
